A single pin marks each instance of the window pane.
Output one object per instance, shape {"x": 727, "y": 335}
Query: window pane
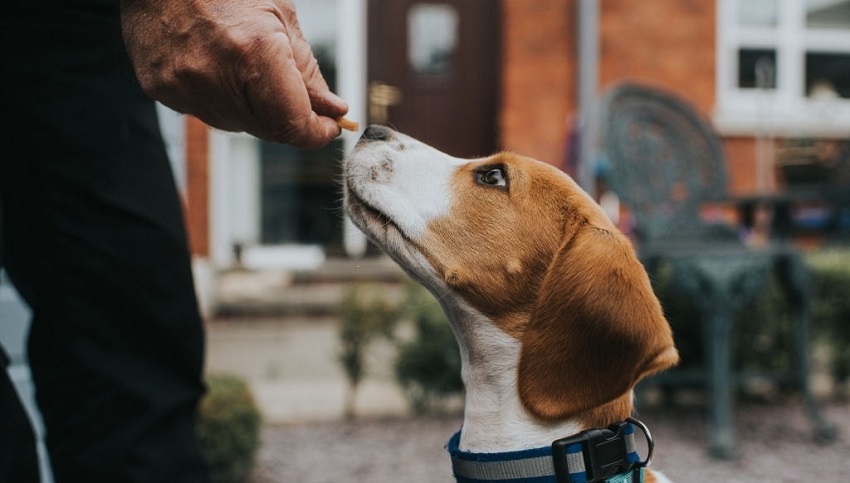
{"x": 757, "y": 12}
{"x": 827, "y": 75}
{"x": 757, "y": 68}
{"x": 432, "y": 38}
{"x": 828, "y": 14}
{"x": 300, "y": 196}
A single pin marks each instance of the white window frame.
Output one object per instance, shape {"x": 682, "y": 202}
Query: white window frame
{"x": 784, "y": 111}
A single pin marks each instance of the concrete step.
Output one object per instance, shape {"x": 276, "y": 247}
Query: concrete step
{"x": 278, "y": 293}
{"x": 346, "y": 270}
{"x": 292, "y": 366}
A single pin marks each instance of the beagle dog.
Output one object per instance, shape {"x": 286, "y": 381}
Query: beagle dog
{"x": 553, "y": 313}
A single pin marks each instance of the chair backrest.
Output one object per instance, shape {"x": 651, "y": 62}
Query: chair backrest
{"x": 664, "y": 160}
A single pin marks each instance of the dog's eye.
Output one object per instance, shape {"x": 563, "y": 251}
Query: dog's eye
{"x": 493, "y": 177}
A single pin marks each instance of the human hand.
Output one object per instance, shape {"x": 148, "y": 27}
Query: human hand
{"x": 237, "y": 66}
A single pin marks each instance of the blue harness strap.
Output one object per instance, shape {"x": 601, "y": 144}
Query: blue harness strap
{"x": 536, "y": 465}
{"x": 532, "y": 465}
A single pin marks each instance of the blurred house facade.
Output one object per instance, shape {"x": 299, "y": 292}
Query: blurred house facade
{"x": 476, "y": 76}
{"x": 770, "y": 75}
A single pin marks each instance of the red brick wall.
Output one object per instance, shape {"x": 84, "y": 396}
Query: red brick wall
{"x": 740, "y": 164}
{"x": 197, "y": 188}
{"x": 671, "y": 44}
{"x": 538, "y": 76}
{"x": 667, "y": 43}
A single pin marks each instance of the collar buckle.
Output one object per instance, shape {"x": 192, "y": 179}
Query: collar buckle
{"x": 599, "y": 453}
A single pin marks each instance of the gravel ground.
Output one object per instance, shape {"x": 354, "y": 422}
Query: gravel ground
{"x": 775, "y": 444}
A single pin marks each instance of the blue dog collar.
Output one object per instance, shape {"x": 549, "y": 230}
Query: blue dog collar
{"x": 595, "y": 455}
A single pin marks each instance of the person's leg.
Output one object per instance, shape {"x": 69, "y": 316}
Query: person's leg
{"x": 97, "y": 247}
{"x": 18, "y": 456}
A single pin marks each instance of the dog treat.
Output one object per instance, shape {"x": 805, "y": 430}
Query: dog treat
{"x": 347, "y": 124}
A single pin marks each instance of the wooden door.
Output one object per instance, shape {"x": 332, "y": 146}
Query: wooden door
{"x": 434, "y": 71}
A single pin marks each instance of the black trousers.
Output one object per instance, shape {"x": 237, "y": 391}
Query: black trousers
{"x": 94, "y": 240}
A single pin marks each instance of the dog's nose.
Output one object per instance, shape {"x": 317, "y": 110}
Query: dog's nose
{"x": 376, "y": 132}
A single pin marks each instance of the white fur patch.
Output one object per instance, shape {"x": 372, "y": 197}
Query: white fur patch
{"x": 495, "y": 419}
{"x": 405, "y": 179}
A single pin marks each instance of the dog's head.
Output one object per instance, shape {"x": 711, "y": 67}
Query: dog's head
{"x": 519, "y": 242}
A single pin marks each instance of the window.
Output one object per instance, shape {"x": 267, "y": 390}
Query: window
{"x": 432, "y": 38}
{"x": 783, "y": 67}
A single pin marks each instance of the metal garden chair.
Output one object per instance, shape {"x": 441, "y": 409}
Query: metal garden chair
{"x": 665, "y": 163}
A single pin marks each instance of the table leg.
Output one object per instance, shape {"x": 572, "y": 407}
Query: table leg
{"x": 721, "y": 284}
{"x": 796, "y": 282}
{"x": 824, "y": 430}
{"x": 719, "y": 350}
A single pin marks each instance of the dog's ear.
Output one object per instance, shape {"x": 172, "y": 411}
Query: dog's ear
{"x": 596, "y": 330}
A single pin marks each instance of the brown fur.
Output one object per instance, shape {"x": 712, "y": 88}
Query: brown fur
{"x": 543, "y": 262}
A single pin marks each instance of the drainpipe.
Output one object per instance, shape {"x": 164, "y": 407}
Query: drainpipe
{"x": 588, "y": 82}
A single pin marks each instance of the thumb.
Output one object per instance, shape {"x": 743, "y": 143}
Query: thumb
{"x": 316, "y": 132}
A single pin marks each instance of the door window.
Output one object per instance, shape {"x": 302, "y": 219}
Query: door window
{"x": 432, "y": 39}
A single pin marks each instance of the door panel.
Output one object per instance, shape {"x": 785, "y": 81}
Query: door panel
{"x": 433, "y": 71}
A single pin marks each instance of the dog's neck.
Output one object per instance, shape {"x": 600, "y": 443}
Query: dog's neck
{"x": 495, "y": 419}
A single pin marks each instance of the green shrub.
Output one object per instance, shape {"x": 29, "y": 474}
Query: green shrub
{"x": 428, "y": 365}
{"x": 684, "y": 318}
{"x": 764, "y": 330}
{"x": 365, "y": 315}
{"x": 831, "y": 305}
{"x": 229, "y": 428}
